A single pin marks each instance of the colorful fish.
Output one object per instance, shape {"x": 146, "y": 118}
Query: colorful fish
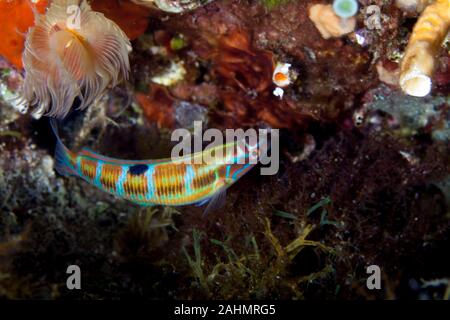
{"x": 184, "y": 181}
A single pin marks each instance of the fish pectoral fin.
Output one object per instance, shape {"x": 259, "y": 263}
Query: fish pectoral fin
{"x": 215, "y": 202}
{"x": 203, "y": 202}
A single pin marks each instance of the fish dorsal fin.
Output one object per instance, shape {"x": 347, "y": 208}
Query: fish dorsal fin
{"x": 94, "y": 155}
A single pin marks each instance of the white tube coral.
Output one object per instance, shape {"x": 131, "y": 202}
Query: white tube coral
{"x": 418, "y": 63}
{"x": 72, "y": 52}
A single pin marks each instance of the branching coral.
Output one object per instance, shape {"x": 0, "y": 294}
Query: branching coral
{"x": 68, "y": 57}
{"x": 418, "y": 63}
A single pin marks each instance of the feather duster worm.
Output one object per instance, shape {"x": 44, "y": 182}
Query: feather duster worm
{"x": 72, "y": 52}
{"x": 428, "y": 34}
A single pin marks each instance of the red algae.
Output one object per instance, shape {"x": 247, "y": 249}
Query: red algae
{"x": 157, "y": 106}
{"x": 130, "y": 17}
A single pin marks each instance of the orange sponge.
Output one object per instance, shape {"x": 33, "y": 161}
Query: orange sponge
{"x": 16, "y": 16}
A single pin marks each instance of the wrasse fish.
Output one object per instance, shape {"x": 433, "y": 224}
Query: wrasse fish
{"x": 164, "y": 181}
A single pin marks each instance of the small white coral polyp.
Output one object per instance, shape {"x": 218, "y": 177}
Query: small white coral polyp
{"x": 72, "y": 52}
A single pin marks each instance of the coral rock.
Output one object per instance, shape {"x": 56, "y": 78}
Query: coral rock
{"x": 328, "y": 23}
{"x": 173, "y": 6}
{"x": 388, "y": 72}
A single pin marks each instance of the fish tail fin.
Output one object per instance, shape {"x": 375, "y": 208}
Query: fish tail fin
{"x": 64, "y": 164}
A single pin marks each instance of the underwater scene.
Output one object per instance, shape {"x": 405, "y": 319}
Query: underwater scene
{"x": 225, "y": 149}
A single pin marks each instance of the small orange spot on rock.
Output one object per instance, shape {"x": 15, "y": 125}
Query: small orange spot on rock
{"x": 280, "y": 77}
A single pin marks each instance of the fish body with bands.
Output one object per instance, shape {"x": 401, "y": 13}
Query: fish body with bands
{"x": 184, "y": 181}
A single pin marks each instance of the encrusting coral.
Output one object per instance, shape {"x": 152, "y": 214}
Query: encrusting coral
{"x": 329, "y": 23}
{"x": 418, "y": 63}
{"x": 65, "y": 59}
